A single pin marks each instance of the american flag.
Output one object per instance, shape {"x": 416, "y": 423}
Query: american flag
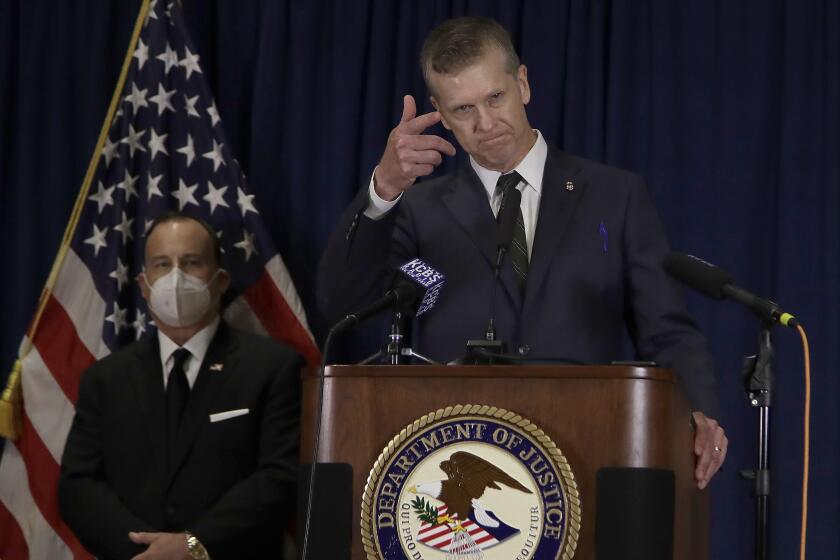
{"x": 162, "y": 148}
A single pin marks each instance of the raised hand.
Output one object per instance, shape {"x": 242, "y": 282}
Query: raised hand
{"x": 409, "y": 153}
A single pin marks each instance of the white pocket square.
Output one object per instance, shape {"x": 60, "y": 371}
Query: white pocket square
{"x": 227, "y": 414}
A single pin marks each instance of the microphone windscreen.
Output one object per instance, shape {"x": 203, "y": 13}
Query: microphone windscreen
{"x": 426, "y": 282}
{"x": 698, "y": 274}
{"x": 506, "y": 220}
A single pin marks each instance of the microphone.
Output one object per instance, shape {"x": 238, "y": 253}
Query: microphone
{"x": 415, "y": 290}
{"x": 427, "y": 282}
{"x": 716, "y": 283}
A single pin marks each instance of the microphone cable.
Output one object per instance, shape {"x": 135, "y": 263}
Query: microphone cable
{"x": 806, "y": 447}
{"x": 317, "y": 443}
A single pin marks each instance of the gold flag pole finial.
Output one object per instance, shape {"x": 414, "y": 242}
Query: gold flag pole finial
{"x": 11, "y": 403}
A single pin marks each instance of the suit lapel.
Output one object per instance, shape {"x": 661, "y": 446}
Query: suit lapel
{"x": 146, "y": 378}
{"x": 466, "y": 199}
{"x": 557, "y": 205}
{"x": 214, "y": 371}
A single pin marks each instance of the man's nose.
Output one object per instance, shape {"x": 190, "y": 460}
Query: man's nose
{"x": 485, "y": 120}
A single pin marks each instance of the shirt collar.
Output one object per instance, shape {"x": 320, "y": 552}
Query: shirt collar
{"x": 197, "y": 345}
{"x": 531, "y": 168}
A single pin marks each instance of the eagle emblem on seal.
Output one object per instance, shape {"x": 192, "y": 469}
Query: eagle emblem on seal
{"x": 462, "y": 525}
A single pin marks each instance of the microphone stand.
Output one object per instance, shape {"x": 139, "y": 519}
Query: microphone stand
{"x": 757, "y": 375}
{"x": 395, "y": 349}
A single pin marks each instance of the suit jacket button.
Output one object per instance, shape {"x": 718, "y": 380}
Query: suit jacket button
{"x": 524, "y": 349}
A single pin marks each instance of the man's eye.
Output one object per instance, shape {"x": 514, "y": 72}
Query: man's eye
{"x": 464, "y": 108}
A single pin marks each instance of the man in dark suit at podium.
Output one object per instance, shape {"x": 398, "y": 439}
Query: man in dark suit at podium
{"x": 184, "y": 444}
{"x": 586, "y": 257}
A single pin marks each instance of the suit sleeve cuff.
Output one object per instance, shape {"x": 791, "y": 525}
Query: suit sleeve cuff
{"x": 377, "y": 206}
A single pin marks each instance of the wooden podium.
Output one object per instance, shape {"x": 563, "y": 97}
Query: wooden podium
{"x": 598, "y": 416}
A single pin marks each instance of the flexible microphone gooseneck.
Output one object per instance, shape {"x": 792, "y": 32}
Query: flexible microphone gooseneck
{"x": 505, "y": 224}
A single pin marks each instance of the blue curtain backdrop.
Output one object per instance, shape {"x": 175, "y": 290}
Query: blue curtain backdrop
{"x": 730, "y": 109}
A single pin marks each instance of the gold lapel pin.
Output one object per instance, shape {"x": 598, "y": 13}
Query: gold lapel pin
{"x": 570, "y": 186}
{"x": 216, "y": 367}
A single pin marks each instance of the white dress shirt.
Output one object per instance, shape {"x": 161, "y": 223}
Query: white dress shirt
{"x": 197, "y": 346}
{"x": 531, "y": 169}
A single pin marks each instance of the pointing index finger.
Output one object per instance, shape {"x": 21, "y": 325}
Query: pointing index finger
{"x": 421, "y": 123}
{"x": 409, "y": 109}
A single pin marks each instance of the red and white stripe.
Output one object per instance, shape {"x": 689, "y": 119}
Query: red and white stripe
{"x": 440, "y": 536}
{"x": 67, "y": 341}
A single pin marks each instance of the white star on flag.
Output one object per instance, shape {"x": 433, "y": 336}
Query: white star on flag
{"x": 169, "y": 58}
{"x": 213, "y": 113}
{"x": 156, "y": 144}
{"x": 97, "y": 240}
{"x": 247, "y": 245}
{"x": 141, "y": 53}
{"x": 216, "y": 155}
{"x": 127, "y": 185}
{"x": 109, "y": 150}
{"x": 188, "y": 150}
{"x": 151, "y": 13}
{"x": 120, "y": 274}
{"x": 245, "y": 202}
{"x": 124, "y": 227}
{"x": 133, "y": 140}
{"x": 137, "y": 98}
{"x": 163, "y": 99}
{"x": 153, "y": 186}
{"x": 190, "y": 105}
{"x": 184, "y": 194}
{"x": 215, "y": 197}
{"x": 190, "y": 62}
{"x": 139, "y": 324}
{"x": 103, "y": 197}
{"x": 118, "y": 318}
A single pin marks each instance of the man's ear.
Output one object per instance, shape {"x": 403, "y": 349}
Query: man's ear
{"x": 144, "y": 285}
{"x": 522, "y": 82}
{"x": 224, "y": 280}
{"x": 434, "y": 103}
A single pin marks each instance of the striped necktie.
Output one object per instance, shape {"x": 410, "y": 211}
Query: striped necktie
{"x": 519, "y": 246}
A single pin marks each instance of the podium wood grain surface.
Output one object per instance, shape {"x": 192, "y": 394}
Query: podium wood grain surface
{"x": 599, "y": 416}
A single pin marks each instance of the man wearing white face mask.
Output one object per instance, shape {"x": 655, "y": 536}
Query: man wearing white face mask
{"x": 184, "y": 444}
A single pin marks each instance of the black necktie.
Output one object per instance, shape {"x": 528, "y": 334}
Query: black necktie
{"x": 519, "y": 246}
{"x": 177, "y": 394}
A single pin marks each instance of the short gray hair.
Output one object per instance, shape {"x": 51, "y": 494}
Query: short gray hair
{"x": 458, "y": 43}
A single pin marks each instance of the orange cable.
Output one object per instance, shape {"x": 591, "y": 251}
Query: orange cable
{"x": 807, "y": 439}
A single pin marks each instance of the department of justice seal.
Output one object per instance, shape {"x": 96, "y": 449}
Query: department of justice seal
{"x": 471, "y": 482}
